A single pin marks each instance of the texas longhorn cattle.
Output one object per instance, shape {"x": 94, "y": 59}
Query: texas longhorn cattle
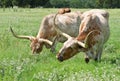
{"x": 68, "y": 21}
{"x": 93, "y": 33}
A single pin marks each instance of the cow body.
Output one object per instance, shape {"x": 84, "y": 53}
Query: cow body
{"x": 93, "y": 33}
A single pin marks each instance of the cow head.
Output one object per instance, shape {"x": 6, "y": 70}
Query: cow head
{"x": 36, "y": 46}
{"x": 70, "y": 48}
{"x": 36, "y": 43}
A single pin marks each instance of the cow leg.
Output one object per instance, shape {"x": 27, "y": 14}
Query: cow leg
{"x": 94, "y": 54}
{"x": 54, "y": 44}
{"x": 98, "y": 55}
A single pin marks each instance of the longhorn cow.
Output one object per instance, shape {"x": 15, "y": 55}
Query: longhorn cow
{"x": 93, "y": 33}
{"x": 67, "y": 22}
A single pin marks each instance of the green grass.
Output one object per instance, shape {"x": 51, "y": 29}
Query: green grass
{"x": 18, "y": 64}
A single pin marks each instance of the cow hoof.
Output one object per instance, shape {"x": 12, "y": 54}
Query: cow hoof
{"x": 86, "y": 60}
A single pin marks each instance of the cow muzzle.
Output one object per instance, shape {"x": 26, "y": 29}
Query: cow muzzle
{"x": 60, "y": 58}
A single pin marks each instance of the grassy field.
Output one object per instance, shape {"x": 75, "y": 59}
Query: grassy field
{"x": 18, "y": 64}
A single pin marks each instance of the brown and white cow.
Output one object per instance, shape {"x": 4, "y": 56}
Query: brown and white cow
{"x": 93, "y": 33}
{"x": 67, "y": 22}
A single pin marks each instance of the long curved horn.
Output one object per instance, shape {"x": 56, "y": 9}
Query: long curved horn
{"x": 21, "y": 36}
{"x": 58, "y": 30}
{"x": 85, "y": 45}
{"x": 46, "y": 41}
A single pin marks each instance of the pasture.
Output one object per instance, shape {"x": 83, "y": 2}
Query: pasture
{"x": 18, "y": 64}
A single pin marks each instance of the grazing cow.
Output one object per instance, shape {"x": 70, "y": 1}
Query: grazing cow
{"x": 47, "y": 33}
{"x": 93, "y": 33}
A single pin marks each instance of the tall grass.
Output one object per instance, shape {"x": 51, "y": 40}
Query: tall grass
{"x": 18, "y": 64}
